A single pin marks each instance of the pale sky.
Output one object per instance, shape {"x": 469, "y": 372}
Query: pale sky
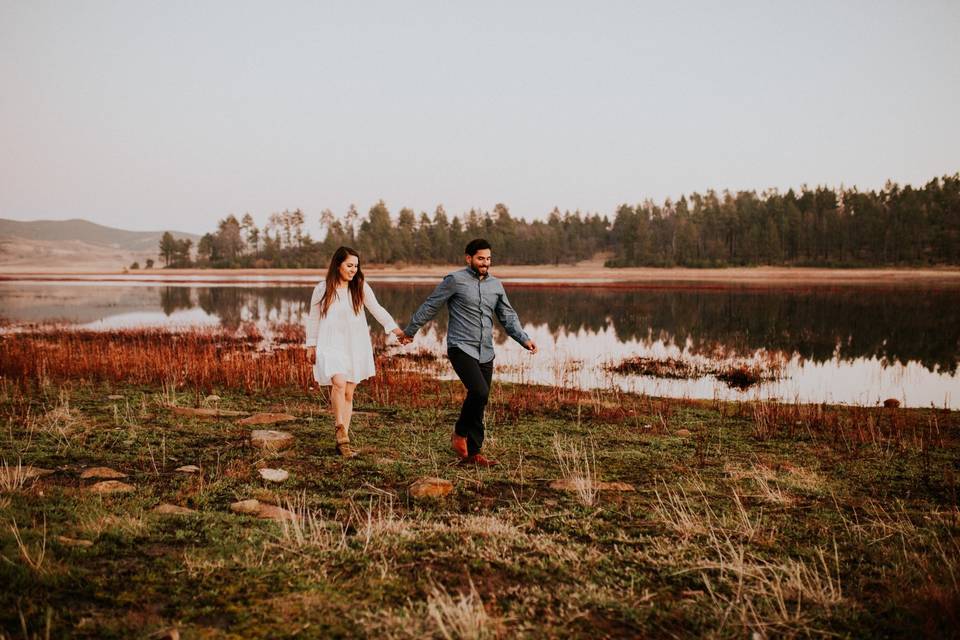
{"x": 173, "y": 114}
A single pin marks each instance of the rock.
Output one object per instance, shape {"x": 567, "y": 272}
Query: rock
{"x": 683, "y": 433}
{"x": 262, "y": 510}
{"x": 891, "y": 403}
{"x": 248, "y": 507}
{"x": 569, "y": 485}
{"x": 274, "y": 475}
{"x": 73, "y": 542}
{"x": 13, "y": 472}
{"x": 101, "y": 473}
{"x": 172, "y": 510}
{"x": 110, "y": 486}
{"x": 616, "y": 486}
{"x": 114, "y": 396}
{"x": 188, "y": 468}
{"x": 270, "y": 440}
{"x": 267, "y": 418}
{"x": 212, "y": 398}
{"x": 206, "y": 413}
{"x": 273, "y": 512}
{"x": 430, "y": 488}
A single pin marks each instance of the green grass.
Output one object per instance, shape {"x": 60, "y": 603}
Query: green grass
{"x": 791, "y": 533}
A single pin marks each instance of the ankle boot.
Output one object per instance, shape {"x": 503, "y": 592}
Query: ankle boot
{"x": 343, "y": 442}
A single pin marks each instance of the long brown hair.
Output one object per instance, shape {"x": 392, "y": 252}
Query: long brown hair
{"x": 333, "y": 280}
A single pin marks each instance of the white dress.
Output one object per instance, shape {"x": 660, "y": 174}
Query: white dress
{"x": 342, "y": 337}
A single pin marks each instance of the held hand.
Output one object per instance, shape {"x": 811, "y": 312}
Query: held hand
{"x": 530, "y": 346}
{"x": 311, "y": 354}
{"x": 402, "y": 338}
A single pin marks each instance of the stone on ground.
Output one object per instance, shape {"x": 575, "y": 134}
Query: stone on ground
{"x": 267, "y": 418}
{"x": 270, "y": 440}
{"x": 188, "y": 468}
{"x": 114, "y": 396}
{"x": 172, "y": 510}
{"x": 101, "y": 473}
{"x": 262, "y": 510}
{"x": 430, "y": 488}
{"x": 73, "y": 542}
{"x": 110, "y": 486}
{"x": 204, "y": 412}
{"x": 274, "y": 475}
{"x": 24, "y": 471}
{"x": 683, "y": 433}
{"x": 572, "y": 485}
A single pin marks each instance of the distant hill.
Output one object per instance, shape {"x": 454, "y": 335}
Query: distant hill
{"x": 76, "y": 245}
{"x": 88, "y": 233}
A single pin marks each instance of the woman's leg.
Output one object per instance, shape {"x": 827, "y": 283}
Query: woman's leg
{"x": 341, "y": 414}
{"x": 348, "y": 404}
{"x": 338, "y": 389}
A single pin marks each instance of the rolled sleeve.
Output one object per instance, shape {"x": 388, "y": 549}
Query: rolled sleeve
{"x": 430, "y": 307}
{"x": 510, "y": 320}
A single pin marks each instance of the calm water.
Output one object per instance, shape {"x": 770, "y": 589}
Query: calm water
{"x": 850, "y": 344}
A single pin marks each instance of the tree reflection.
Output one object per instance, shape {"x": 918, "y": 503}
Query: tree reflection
{"x": 898, "y": 324}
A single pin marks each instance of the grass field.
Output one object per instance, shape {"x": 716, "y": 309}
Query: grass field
{"x": 784, "y": 520}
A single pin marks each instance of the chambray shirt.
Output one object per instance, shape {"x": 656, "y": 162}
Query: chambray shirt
{"x": 472, "y": 303}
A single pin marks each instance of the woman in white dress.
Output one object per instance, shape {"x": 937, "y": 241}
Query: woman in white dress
{"x": 338, "y": 338}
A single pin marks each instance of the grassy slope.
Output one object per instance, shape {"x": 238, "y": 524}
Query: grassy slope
{"x": 730, "y": 528}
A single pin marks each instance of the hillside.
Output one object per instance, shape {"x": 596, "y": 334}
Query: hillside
{"x": 86, "y": 232}
{"x": 75, "y": 244}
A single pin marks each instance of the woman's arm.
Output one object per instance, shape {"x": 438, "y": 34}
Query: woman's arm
{"x": 378, "y": 312}
{"x": 313, "y": 319}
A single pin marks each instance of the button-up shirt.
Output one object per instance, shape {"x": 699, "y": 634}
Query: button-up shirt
{"x": 472, "y": 302}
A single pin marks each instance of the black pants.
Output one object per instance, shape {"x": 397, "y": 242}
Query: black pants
{"x": 476, "y": 377}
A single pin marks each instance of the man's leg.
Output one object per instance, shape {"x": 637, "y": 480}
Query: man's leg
{"x": 486, "y": 369}
{"x": 477, "y": 383}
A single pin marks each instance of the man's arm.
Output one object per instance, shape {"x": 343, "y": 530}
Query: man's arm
{"x": 431, "y": 305}
{"x": 511, "y": 322}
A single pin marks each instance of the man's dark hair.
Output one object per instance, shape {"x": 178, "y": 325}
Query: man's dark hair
{"x": 476, "y": 245}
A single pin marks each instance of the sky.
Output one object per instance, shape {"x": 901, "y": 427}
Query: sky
{"x": 173, "y": 114}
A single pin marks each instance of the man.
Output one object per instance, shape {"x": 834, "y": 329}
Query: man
{"x": 473, "y": 297}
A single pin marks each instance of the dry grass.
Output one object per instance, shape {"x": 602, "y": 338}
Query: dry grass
{"x": 308, "y": 530}
{"x": 12, "y": 478}
{"x": 770, "y": 596}
{"x": 460, "y": 617}
{"x": 32, "y": 557}
{"x": 578, "y": 466}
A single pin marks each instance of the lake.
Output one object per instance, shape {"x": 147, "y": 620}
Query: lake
{"x": 856, "y": 344}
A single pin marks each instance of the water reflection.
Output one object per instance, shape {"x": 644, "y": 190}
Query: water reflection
{"x": 843, "y": 344}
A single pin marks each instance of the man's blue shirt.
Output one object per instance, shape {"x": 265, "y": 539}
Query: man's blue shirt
{"x": 472, "y": 302}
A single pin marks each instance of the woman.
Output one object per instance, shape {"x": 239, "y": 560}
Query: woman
{"x": 338, "y": 338}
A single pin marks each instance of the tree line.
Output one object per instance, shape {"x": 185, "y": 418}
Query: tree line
{"x": 896, "y": 225}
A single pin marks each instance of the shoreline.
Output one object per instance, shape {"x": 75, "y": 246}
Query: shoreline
{"x": 580, "y": 275}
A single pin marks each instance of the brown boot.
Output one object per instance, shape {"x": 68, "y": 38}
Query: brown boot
{"x": 343, "y": 442}
{"x": 479, "y": 460}
{"x": 459, "y": 445}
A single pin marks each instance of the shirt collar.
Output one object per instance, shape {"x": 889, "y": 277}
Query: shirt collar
{"x": 476, "y": 275}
